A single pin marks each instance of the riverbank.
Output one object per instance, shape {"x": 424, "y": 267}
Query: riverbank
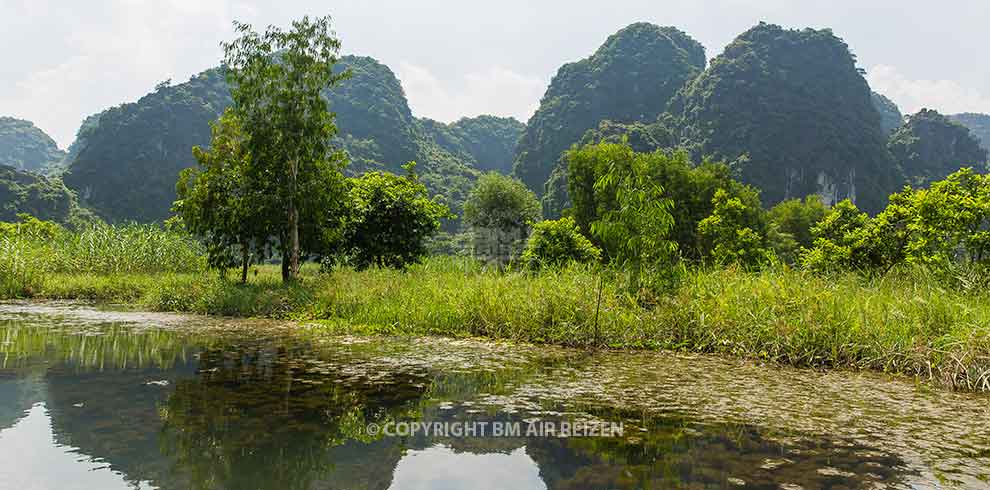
{"x": 901, "y": 323}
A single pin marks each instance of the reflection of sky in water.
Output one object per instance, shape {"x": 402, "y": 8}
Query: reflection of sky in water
{"x": 440, "y": 468}
{"x": 30, "y": 459}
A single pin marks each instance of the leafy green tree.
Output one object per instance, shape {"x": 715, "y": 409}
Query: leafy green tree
{"x": 500, "y": 210}
{"x": 791, "y": 222}
{"x": 627, "y": 211}
{"x": 277, "y": 78}
{"x": 840, "y": 240}
{"x": 730, "y": 234}
{"x": 690, "y": 188}
{"x": 390, "y": 220}
{"x": 951, "y": 221}
{"x": 554, "y": 243}
{"x": 218, "y": 202}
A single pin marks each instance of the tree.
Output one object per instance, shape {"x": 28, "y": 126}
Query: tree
{"x": 500, "y": 210}
{"x": 840, "y": 240}
{"x": 390, "y": 219}
{"x": 732, "y": 233}
{"x": 791, "y": 222}
{"x": 554, "y": 243}
{"x": 625, "y": 210}
{"x": 218, "y": 202}
{"x": 277, "y": 78}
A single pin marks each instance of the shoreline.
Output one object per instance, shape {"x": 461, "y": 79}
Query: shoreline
{"x": 896, "y": 324}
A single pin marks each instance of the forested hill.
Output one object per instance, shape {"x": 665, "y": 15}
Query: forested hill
{"x": 931, "y": 146}
{"x": 629, "y": 78}
{"x": 890, "y": 115}
{"x": 792, "y": 111}
{"x": 486, "y": 141}
{"x": 37, "y": 195}
{"x": 978, "y": 124}
{"x": 25, "y": 147}
{"x": 131, "y": 155}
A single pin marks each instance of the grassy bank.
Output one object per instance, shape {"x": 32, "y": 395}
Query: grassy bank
{"x": 904, "y": 322}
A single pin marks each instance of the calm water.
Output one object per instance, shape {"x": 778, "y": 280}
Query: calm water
{"x": 103, "y": 400}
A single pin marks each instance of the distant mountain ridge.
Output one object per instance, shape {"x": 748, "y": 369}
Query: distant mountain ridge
{"x": 26, "y": 147}
{"x": 130, "y": 156}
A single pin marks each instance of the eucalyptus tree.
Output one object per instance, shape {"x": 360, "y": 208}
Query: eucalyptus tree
{"x": 276, "y": 82}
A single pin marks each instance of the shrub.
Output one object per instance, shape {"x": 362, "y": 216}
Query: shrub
{"x": 554, "y": 243}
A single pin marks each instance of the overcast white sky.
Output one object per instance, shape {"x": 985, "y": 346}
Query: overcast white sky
{"x": 64, "y": 60}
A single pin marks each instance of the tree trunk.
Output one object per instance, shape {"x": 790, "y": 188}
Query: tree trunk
{"x": 293, "y": 223}
{"x": 244, "y": 262}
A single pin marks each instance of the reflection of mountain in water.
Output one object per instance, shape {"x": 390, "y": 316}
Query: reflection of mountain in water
{"x": 241, "y": 412}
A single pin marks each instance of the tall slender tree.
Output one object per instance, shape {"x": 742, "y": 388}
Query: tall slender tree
{"x": 276, "y": 82}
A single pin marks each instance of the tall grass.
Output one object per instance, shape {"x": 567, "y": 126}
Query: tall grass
{"x": 908, "y": 321}
{"x": 27, "y": 259}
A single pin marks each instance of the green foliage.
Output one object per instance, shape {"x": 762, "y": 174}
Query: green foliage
{"x": 32, "y": 250}
{"x": 27, "y": 148}
{"x": 840, "y": 240}
{"x": 890, "y": 115}
{"x": 794, "y": 114}
{"x": 942, "y": 227}
{"x": 278, "y": 78}
{"x": 634, "y": 225}
{"x": 390, "y": 219}
{"x": 791, "y": 223}
{"x": 555, "y": 243}
{"x": 130, "y": 160}
{"x": 218, "y": 202}
{"x": 930, "y": 146}
{"x": 978, "y": 124}
{"x": 37, "y": 195}
{"x": 690, "y": 188}
{"x": 485, "y": 142}
{"x": 631, "y": 77}
{"x": 126, "y": 160}
{"x": 500, "y": 210}
{"x": 730, "y": 234}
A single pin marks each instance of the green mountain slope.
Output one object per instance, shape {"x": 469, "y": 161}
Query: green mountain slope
{"x": 978, "y": 124}
{"x": 792, "y": 111}
{"x": 930, "y": 146}
{"x": 129, "y": 157}
{"x": 25, "y": 147}
{"x": 890, "y": 115}
{"x": 487, "y": 141}
{"x": 38, "y": 195}
{"x": 629, "y": 78}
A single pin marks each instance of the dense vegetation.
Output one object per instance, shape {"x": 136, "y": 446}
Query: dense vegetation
{"x": 37, "y": 195}
{"x": 790, "y": 109}
{"x": 132, "y": 158}
{"x": 890, "y": 115}
{"x": 25, "y": 147}
{"x": 629, "y": 78}
{"x": 978, "y": 124}
{"x": 128, "y": 157}
{"x": 487, "y": 142}
{"x": 930, "y": 146}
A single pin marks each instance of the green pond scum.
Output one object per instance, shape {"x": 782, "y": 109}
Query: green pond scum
{"x": 96, "y": 398}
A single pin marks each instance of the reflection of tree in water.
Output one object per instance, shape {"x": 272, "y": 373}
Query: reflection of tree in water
{"x": 263, "y": 413}
{"x": 277, "y": 417}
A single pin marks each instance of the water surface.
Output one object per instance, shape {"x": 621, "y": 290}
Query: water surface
{"x": 103, "y": 399}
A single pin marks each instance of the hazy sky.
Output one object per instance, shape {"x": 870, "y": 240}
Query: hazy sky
{"x": 64, "y": 60}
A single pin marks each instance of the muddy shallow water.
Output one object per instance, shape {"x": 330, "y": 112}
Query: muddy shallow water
{"x": 110, "y": 399}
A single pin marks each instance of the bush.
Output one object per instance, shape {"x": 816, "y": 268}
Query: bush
{"x": 554, "y": 243}
{"x": 390, "y": 219}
